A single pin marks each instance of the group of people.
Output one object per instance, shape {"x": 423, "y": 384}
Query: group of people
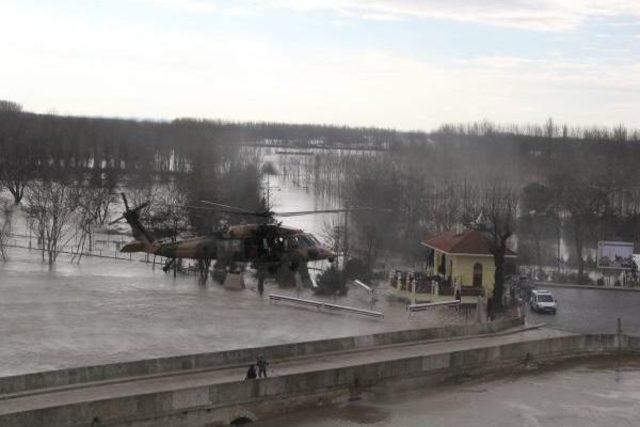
{"x": 261, "y": 364}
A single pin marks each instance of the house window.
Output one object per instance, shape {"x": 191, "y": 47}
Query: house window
{"x": 430, "y": 258}
{"x": 477, "y": 274}
{"x": 442, "y": 266}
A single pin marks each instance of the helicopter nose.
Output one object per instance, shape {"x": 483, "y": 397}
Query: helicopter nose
{"x": 327, "y": 254}
{"x": 319, "y": 253}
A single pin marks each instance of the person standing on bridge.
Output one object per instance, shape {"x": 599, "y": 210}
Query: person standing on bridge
{"x": 262, "y": 366}
{"x": 251, "y": 373}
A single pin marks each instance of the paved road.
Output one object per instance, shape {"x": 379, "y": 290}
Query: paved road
{"x": 97, "y": 391}
{"x": 592, "y": 310}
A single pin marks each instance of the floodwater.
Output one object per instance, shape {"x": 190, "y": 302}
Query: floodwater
{"x": 291, "y": 194}
{"x": 589, "y": 395}
{"x": 106, "y": 310}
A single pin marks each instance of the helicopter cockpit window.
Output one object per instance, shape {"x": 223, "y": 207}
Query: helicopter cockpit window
{"x": 304, "y": 242}
{"x": 307, "y": 241}
{"x": 314, "y": 241}
{"x": 291, "y": 243}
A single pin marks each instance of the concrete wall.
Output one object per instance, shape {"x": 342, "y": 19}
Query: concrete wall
{"x": 222, "y": 403}
{"x": 165, "y": 365}
{"x": 463, "y": 271}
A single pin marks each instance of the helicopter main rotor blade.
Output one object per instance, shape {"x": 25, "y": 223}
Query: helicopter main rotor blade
{"x": 208, "y": 209}
{"x": 240, "y": 211}
{"x": 301, "y": 213}
{"x": 142, "y": 206}
{"x": 116, "y": 220}
{"x": 326, "y": 211}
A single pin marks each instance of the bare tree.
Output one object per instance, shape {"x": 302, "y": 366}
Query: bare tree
{"x": 94, "y": 197}
{"x": 333, "y": 236}
{"x": 50, "y": 210}
{"x": 16, "y": 164}
{"x": 92, "y": 209}
{"x": 538, "y": 219}
{"x": 10, "y": 106}
{"x": 586, "y": 201}
{"x": 499, "y": 208}
{"x": 168, "y": 213}
{"x": 6, "y": 213}
{"x": 15, "y": 178}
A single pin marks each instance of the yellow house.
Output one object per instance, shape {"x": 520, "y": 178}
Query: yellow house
{"x": 463, "y": 260}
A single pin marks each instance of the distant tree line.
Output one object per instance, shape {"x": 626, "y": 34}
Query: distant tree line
{"x": 541, "y": 184}
{"x": 66, "y": 173}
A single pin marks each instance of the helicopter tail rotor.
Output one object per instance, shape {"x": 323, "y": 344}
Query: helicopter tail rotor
{"x": 128, "y": 211}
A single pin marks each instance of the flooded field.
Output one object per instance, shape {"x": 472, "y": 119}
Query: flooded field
{"x": 105, "y": 310}
{"x": 589, "y": 395}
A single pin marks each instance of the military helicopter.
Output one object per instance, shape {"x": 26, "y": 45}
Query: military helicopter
{"x": 272, "y": 248}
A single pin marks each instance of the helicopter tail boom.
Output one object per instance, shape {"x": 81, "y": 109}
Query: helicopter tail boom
{"x": 143, "y": 239}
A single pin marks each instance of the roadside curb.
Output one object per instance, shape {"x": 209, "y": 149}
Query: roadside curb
{"x": 573, "y": 285}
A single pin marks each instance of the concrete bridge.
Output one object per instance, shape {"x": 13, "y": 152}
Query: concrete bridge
{"x": 208, "y": 389}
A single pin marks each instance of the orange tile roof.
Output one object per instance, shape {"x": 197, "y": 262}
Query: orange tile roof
{"x": 471, "y": 242}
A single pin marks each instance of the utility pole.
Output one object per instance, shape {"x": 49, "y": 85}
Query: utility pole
{"x": 559, "y": 239}
{"x": 175, "y": 236}
{"x": 345, "y": 241}
{"x": 269, "y": 187}
{"x": 268, "y": 194}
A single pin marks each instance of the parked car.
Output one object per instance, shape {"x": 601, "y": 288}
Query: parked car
{"x": 543, "y": 301}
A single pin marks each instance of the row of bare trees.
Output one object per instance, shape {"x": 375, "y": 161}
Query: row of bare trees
{"x": 541, "y": 184}
{"x": 66, "y": 172}
{"x": 549, "y": 129}
{"x": 6, "y": 214}
{"x": 562, "y": 182}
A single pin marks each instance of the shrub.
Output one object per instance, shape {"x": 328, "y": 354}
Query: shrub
{"x": 331, "y": 282}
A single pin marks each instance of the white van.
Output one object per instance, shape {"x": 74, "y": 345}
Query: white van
{"x": 543, "y": 301}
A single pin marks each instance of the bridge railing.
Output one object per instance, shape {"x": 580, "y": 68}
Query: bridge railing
{"x": 428, "y": 305}
{"x": 320, "y": 305}
{"x": 363, "y": 286}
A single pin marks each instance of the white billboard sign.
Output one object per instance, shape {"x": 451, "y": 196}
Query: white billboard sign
{"x": 617, "y": 255}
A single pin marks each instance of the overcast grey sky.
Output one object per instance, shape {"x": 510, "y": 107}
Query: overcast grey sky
{"x": 408, "y": 64}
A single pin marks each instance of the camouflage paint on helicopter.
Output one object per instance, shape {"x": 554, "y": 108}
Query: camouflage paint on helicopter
{"x": 269, "y": 247}
{"x": 249, "y": 242}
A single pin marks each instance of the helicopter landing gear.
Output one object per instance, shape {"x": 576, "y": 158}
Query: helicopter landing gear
{"x": 167, "y": 265}
{"x": 219, "y": 271}
{"x": 204, "y": 265}
{"x": 303, "y": 276}
{"x": 219, "y": 275}
{"x": 235, "y": 277}
{"x": 285, "y": 276}
{"x": 229, "y": 274}
{"x": 261, "y": 275}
